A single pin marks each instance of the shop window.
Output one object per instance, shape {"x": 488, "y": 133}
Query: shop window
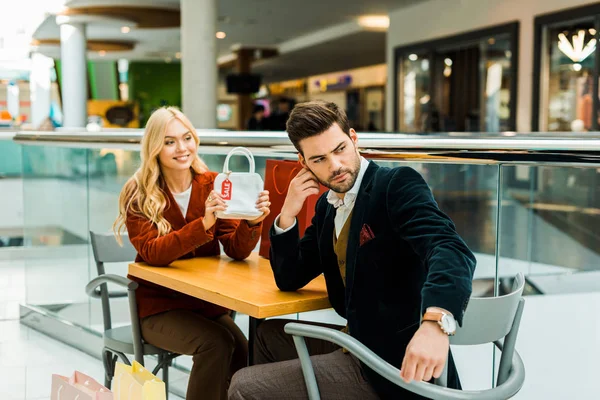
{"x": 464, "y": 83}
{"x": 566, "y": 71}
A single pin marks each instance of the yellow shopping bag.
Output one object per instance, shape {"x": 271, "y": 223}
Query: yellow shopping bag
{"x": 134, "y": 382}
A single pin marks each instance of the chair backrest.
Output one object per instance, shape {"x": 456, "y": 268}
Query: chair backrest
{"x": 488, "y": 319}
{"x": 106, "y": 249}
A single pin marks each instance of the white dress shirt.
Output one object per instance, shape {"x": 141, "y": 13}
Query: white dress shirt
{"x": 343, "y": 206}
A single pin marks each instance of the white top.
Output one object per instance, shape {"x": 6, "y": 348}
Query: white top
{"x": 343, "y": 207}
{"x": 183, "y": 200}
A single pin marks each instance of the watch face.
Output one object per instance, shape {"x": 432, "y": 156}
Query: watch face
{"x": 449, "y": 324}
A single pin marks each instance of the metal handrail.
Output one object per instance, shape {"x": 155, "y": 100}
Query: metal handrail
{"x": 502, "y": 148}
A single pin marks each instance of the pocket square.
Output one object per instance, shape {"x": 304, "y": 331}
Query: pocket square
{"x": 366, "y": 234}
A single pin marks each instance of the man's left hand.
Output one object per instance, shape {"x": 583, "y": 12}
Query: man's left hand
{"x": 425, "y": 354}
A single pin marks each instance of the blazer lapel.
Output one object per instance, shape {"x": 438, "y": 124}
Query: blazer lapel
{"x": 197, "y": 199}
{"x": 326, "y": 237}
{"x": 361, "y": 205}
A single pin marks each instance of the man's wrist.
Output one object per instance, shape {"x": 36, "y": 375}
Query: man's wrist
{"x": 441, "y": 317}
{"x": 285, "y": 221}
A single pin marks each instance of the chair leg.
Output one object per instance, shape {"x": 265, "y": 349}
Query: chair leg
{"x": 165, "y": 371}
{"x": 109, "y": 360}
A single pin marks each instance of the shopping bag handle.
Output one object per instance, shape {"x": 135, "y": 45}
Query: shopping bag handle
{"x": 288, "y": 181}
{"x": 242, "y": 151}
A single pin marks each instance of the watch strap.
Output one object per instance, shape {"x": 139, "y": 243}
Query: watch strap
{"x": 433, "y": 316}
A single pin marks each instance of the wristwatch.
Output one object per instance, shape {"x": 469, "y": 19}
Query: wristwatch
{"x": 446, "y": 321}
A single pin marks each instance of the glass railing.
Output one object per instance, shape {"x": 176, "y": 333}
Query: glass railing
{"x": 11, "y": 204}
{"x": 12, "y": 277}
{"x": 526, "y": 204}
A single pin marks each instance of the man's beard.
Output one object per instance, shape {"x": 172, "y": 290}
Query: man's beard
{"x": 348, "y": 183}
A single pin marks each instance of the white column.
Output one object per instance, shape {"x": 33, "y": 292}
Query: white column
{"x": 199, "y": 61}
{"x": 39, "y": 88}
{"x": 73, "y": 49}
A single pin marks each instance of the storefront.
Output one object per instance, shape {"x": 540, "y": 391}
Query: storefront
{"x": 361, "y": 92}
{"x": 464, "y": 83}
{"x": 566, "y": 71}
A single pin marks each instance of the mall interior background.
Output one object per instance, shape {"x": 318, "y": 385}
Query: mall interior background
{"x": 435, "y": 69}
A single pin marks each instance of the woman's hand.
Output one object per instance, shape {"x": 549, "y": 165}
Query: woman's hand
{"x": 262, "y": 204}
{"x": 213, "y": 203}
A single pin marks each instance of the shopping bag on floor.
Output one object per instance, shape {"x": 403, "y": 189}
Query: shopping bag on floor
{"x": 78, "y": 387}
{"x": 278, "y": 175}
{"x": 240, "y": 190}
{"x": 134, "y": 382}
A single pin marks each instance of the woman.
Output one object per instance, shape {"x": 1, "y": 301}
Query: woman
{"x": 168, "y": 208}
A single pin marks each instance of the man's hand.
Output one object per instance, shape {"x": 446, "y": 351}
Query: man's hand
{"x": 302, "y": 186}
{"x": 425, "y": 354}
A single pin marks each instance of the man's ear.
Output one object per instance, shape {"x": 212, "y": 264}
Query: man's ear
{"x": 301, "y": 160}
{"x": 353, "y": 136}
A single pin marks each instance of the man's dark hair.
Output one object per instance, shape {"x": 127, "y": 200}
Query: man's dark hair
{"x": 313, "y": 118}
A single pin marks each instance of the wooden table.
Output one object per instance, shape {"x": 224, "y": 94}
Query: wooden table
{"x": 245, "y": 286}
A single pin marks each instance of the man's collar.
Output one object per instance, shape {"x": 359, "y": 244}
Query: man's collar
{"x": 350, "y": 196}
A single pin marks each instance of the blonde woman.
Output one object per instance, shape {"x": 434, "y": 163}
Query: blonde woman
{"x": 168, "y": 208}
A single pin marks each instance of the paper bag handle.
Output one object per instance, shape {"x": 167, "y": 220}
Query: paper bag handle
{"x": 288, "y": 181}
{"x": 242, "y": 151}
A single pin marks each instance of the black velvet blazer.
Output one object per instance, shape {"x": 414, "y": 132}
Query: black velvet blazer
{"x": 414, "y": 260}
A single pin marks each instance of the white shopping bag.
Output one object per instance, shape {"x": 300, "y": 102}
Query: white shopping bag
{"x": 240, "y": 190}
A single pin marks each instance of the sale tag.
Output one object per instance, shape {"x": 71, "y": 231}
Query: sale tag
{"x": 226, "y": 189}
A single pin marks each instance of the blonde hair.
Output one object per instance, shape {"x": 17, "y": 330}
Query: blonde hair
{"x": 142, "y": 194}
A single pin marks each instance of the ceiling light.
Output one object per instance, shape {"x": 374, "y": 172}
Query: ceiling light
{"x": 125, "y": 29}
{"x": 221, "y": 35}
{"x": 576, "y": 67}
{"x": 448, "y": 62}
{"x": 413, "y": 57}
{"x": 592, "y": 31}
{"x": 102, "y": 53}
{"x": 374, "y": 21}
{"x": 576, "y": 51}
{"x": 178, "y": 55}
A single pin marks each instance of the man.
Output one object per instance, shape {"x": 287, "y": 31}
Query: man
{"x": 278, "y": 119}
{"x": 257, "y": 121}
{"x": 390, "y": 258}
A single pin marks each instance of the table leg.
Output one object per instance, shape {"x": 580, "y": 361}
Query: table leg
{"x": 253, "y": 325}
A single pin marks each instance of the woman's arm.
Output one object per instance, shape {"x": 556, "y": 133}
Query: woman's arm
{"x": 238, "y": 237}
{"x": 163, "y": 250}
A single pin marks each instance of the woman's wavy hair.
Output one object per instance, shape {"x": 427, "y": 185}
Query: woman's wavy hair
{"x": 142, "y": 194}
